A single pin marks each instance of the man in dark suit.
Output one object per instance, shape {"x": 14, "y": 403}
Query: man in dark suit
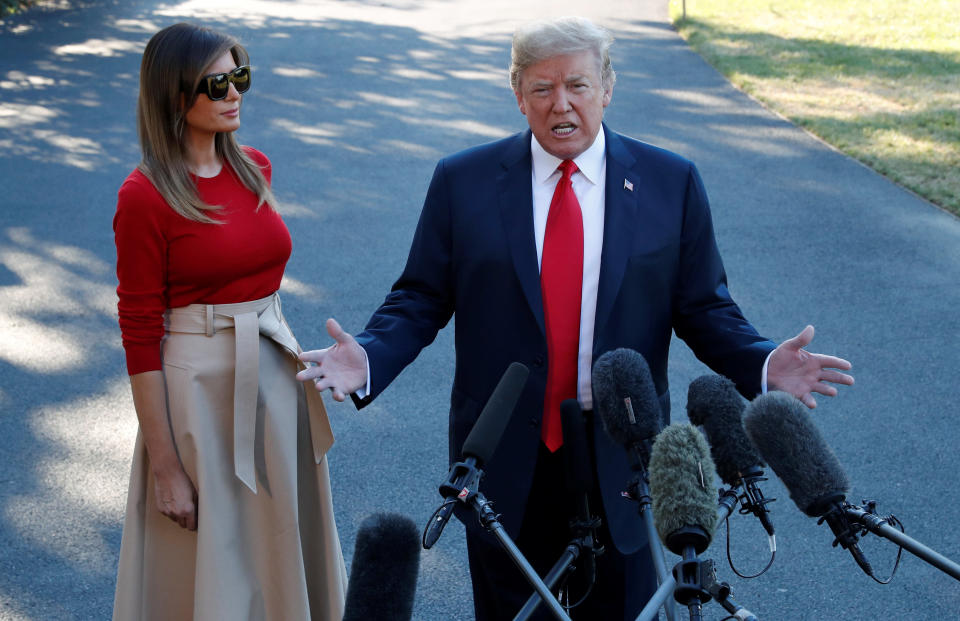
{"x": 552, "y": 247}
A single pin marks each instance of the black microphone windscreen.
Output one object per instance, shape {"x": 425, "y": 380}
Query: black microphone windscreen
{"x": 682, "y": 484}
{"x": 383, "y": 573}
{"x": 579, "y": 473}
{"x": 714, "y": 403}
{"x": 482, "y": 440}
{"x": 625, "y": 398}
{"x": 783, "y": 431}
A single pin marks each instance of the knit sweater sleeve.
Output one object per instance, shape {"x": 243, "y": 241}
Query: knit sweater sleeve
{"x": 139, "y": 233}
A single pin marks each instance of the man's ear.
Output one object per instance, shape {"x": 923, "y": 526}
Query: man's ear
{"x": 520, "y": 104}
{"x": 607, "y": 96}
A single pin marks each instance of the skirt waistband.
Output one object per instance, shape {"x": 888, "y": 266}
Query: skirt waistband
{"x": 250, "y": 320}
{"x": 208, "y": 318}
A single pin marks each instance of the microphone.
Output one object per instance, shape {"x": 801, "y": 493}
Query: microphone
{"x": 682, "y": 486}
{"x": 784, "y": 432}
{"x": 579, "y": 483}
{"x": 579, "y": 474}
{"x": 483, "y": 439}
{"x": 383, "y": 574}
{"x": 684, "y": 507}
{"x": 626, "y": 401}
{"x": 464, "y": 477}
{"x": 714, "y": 404}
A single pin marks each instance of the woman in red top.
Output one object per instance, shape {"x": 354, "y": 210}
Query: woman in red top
{"x": 228, "y": 513}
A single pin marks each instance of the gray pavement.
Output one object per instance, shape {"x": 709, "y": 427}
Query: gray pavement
{"x": 354, "y": 102}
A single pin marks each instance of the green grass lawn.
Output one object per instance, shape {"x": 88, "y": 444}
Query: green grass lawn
{"x": 878, "y": 79}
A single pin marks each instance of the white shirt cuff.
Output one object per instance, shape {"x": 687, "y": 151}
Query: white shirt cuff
{"x": 363, "y": 392}
{"x": 763, "y": 375}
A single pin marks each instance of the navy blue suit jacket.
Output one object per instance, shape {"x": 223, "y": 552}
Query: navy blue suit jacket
{"x": 474, "y": 256}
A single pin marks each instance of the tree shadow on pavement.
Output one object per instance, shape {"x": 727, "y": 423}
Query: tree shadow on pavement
{"x": 354, "y": 111}
{"x": 353, "y": 116}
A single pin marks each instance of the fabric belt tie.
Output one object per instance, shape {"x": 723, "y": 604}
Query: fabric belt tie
{"x": 246, "y": 387}
{"x": 249, "y": 321}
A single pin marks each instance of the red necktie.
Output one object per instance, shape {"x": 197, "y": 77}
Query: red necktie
{"x": 561, "y": 279}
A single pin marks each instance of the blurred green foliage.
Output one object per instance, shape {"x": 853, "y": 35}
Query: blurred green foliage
{"x": 11, "y": 6}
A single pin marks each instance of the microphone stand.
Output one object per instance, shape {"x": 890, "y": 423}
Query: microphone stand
{"x": 846, "y": 519}
{"x": 464, "y": 476}
{"x": 491, "y": 521}
{"x": 698, "y": 579}
{"x": 639, "y": 490}
{"x": 583, "y": 526}
{"x": 461, "y": 485}
{"x": 689, "y": 574}
{"x": 752, "y": 500}
{"x": 583, "y": 541}
{"x": 720, "y": 591}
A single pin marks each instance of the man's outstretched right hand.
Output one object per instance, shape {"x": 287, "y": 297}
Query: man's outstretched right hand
{"x": 342, "y": 367}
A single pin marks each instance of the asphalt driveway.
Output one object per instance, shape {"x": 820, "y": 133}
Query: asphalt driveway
{"x": 354, "y": 102}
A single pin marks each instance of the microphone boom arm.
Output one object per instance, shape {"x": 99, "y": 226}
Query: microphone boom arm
{"x": 491, "y": 521}
{"x": 878, "y": 526}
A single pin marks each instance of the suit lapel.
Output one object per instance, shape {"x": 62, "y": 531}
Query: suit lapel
{"x": 619, "y": 225}
{"x": 515, "y": 193}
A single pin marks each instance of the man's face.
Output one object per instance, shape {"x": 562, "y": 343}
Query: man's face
{"x": 563, "y": 100}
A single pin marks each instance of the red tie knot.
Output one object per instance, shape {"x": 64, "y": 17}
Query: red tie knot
{"x": 567, "y": 168}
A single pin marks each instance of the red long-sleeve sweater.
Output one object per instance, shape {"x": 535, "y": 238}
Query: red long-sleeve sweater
{"x": 165, "y": 260}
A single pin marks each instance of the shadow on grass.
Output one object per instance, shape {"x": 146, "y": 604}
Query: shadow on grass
{"x": 906, "y": 124}
{"x": 767, "y": 55}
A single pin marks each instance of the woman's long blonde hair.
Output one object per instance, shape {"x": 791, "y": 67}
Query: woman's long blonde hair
{"x": 173, "y": 63}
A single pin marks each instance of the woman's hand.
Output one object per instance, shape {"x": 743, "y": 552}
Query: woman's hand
{"x": 175, "y": 494}
{"x": 176, "y": 497}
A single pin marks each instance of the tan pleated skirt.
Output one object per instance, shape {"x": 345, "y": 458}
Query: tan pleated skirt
{"x": 264, "y": 549}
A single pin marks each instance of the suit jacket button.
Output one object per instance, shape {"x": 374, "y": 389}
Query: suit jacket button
{"x": 534, "y": 422}
{"x": 538, "y": 361}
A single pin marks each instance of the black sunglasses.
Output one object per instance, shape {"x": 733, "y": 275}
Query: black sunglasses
{"x": 217, "y": 85}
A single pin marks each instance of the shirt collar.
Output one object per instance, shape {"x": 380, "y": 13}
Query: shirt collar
{"x": 590, "y": 162}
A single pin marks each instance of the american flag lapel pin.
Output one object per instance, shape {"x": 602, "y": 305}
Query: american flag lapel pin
{"x": 627, "y": 185}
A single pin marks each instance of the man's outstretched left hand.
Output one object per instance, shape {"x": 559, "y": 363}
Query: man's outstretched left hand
{"x": 794, "y": 370}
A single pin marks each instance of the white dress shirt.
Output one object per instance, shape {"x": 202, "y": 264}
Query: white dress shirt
{"x": 589, "y": 184}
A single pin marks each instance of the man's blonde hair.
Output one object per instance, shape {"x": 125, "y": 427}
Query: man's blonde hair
{"x": 540, "y": 40}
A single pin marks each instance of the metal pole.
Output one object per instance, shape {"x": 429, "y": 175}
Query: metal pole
{"x": 556, "y": 572}
{"x": 490, "y": 521}
{"x": 878, "y": 526}
{"x": 656, "y": 551}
